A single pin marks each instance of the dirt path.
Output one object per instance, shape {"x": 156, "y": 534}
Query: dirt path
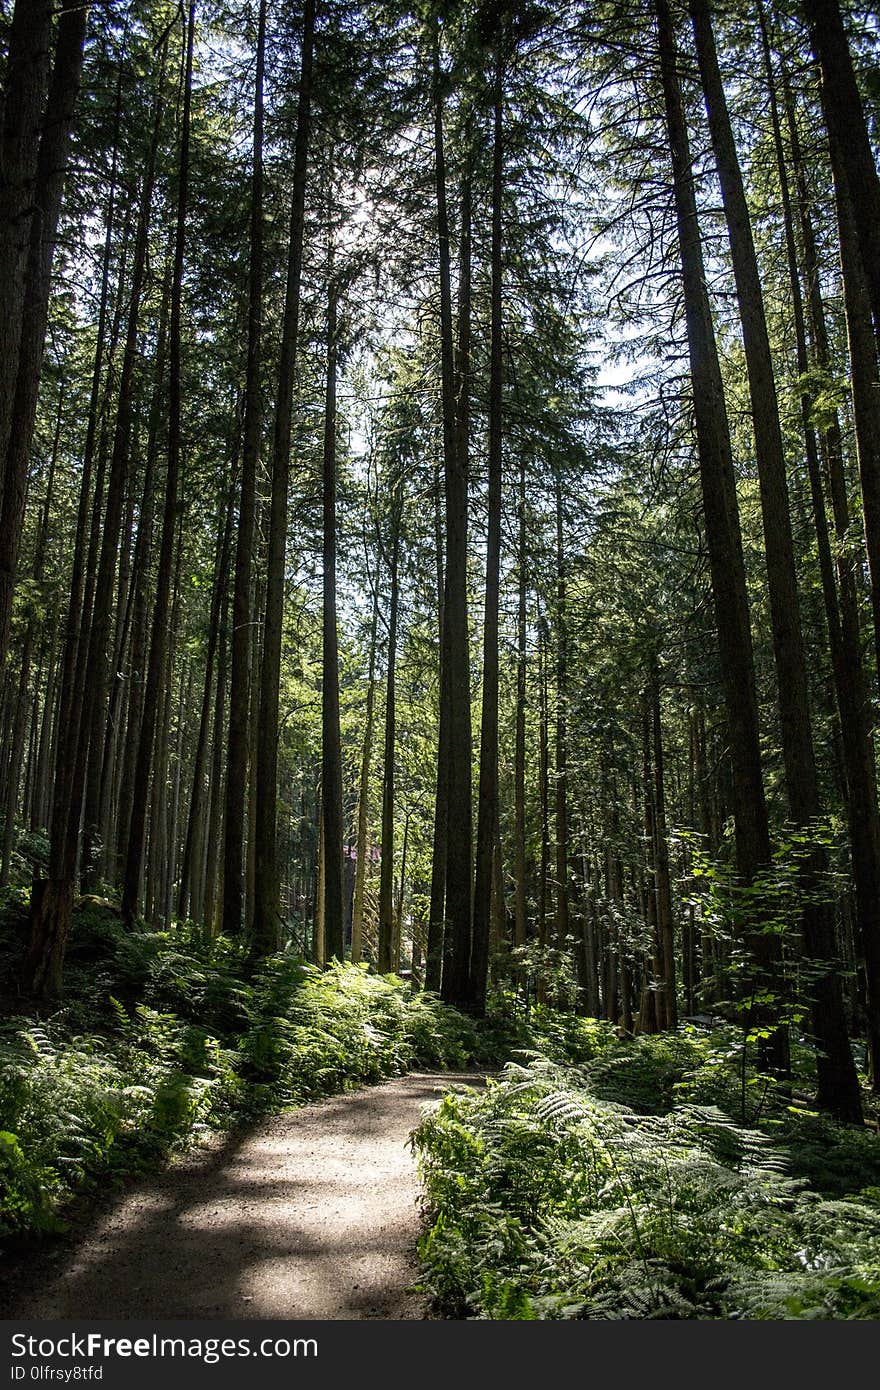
{"x": 310, "y": 1214}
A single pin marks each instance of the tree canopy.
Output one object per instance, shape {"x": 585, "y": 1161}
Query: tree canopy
{"x": 441, "y": 499}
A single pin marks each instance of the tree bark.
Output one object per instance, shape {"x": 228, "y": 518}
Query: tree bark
{"x": 487, "y": 797}
{"x": 319, "y": 942}
{"x": 519, "y": 772}
{"x": 266, "y": 934}
{"x": 16, "y": 754}
{"x": 438, "y": 942}
{"x": 51, "y": 172}
{"x": 141, "y": 583}
{"x": 723, "y": 537}
{"x": 865, "y": 389}
{"x": 397, "y": 936}
{"x": 331, "y": 738}
{"x": 195, "y": 819}
{"x": 156, "y": 667}
{"x": 544, "y": 798}
{"x": 360, "y": 866}
{"x": 24, "y": 92}
{"x": 838, "y": 1084}
{"x": 851, "y": 153}
{"x": 845, "y": 641}
{"x": 665, "y": 921}
{"x": 561, "y": 771}
{"x": 86, "y": 662}
{"x": 95, "y": 670}
{"x": 455, "y": 653}
{"x": 211, "y": 916}
{"x": 386, "y": 875}
{"x": 239, "y": 685}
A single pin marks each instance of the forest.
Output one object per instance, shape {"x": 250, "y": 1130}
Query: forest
{"x": 440, "y": 626}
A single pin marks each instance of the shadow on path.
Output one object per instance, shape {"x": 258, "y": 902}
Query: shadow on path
{"x": 309, "y": 1214}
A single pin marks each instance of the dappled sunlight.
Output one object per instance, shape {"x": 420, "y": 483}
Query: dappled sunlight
{"x": 439, "y": 627}
{"x": 311, "y": 1214}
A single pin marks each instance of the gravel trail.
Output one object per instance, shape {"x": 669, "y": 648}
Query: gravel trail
{"x": 309, "y": 1214}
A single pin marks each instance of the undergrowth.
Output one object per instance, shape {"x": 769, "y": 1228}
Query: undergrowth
{"x": 595, "y": 1179}
{"x": 629, "y": 1187}
{"x": 161, "y": 1036}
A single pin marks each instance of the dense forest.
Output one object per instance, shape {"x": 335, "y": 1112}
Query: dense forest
{"x": 440, "y": 467}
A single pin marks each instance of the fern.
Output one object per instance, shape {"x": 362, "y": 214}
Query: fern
{"x": 163, "y": 1034}
{"x": 543, "y": 1195}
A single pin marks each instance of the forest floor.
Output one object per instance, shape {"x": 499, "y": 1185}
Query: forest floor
{"x": 311, "y": 1213}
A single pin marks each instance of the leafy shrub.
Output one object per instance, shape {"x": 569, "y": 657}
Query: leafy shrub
{"x": 548, "y": 1199}
{"x": 313, "y": 1031}
{"x": 649, "y": 1072}
{"x": 562, "y": 1037}
{"x": 26, "y": 1190}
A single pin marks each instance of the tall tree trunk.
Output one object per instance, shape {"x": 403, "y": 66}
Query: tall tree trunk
{"x": 455, "y": 652}
{"x": 170, "y": 859}
{"x": 16, "y": 755}
{"x": 102, "y": 866}
{"x": 12, "y": 788}
{"x": 24, "y": 92}
{"x": 360, "y": 863}
{"x": 212, "y": 892}
{"x": 487, "y": 798}
{"x": 865, "y": 388}
{"x": 652, "y": 1005}
{"x": 811, "y": 447}
{"x": 690, "y": 960}
{"x": 331, "y": 738}
{"x": 561, "y": 778}
{"x": 519, "y": 771}
{"x": 86, "y": 663}
{"x": 851, "y": 152}
{"x": 39, "y": 813}
{"x": 192, "y": 844}
{"x": 141, "y": 581}
{"x": 156, "y": 666}
{"x": 51, "y": 173}
{"x": 592, "y": 1001}
{"x": 386, "y": 875}
{"x": 845, "y": 641}
{"x": 838, "y": 1084}
{"x": 30, "y": 753}
{"x": 723, "y": 538}
{"x": 498, "y": 933}
{"x": 7, "y": 708}
{"x": 543, "y": 796}
{"x": 95, "y": 671}
{"x": 267, "y": 906}
{"x": 250, "y": 861}
{"x": 319, "y": 939}
{"x": 438, "y": 942}
{"x": 397, "y": 935}
{"x": 239, "y": 686}
{"x": 158, "y": 848}
{"x": 665, "y": 923}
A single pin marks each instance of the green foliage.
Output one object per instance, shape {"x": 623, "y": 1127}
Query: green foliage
{"x": 650, "y": 1071}
{"x": 563, "y": 1037}
{"x": 560, "y": 1192}
{"x": 312, "y": 1032}
{"x": 162, "y": 1035}
{"x": 545, "y": 971}
{"x": 26, "y": 1190}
